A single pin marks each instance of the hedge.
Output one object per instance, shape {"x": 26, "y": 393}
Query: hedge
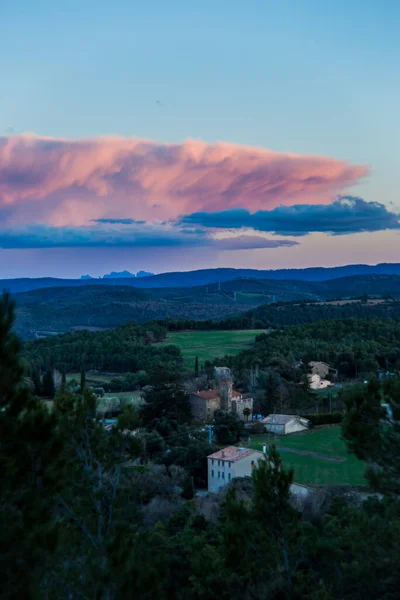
{"x": 325, "y": 418}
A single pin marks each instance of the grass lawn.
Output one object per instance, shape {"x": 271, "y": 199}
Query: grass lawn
{"x": 208, "y": 345}
{"x": 313, "y": 469}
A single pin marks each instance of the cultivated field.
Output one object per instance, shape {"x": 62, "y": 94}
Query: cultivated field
{"x": 208, "y": 345}
{"x": 317, "y": 457}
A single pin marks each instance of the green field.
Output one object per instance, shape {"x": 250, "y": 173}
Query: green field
{"x": 208, "y": 345}
{"x": 317, "y": 470}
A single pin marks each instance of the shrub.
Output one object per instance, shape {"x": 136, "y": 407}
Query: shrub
{"x": 325, "y": 418}
{"x": 257, "y": 427}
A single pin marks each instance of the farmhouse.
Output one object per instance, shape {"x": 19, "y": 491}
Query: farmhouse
{"x": 316, "y": 383}
{"x": 322, "y": 369}
{"x": 206, "y": 402}
{"x": 228, "y": 463}
{"x": 284, "y": 424}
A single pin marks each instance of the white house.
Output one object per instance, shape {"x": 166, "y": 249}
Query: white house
{"x": 228, "y": 463}
{"x": 284, "y": 424}
{"x": 316, "y": 383}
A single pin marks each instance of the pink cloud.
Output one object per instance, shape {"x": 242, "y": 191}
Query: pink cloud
{"x": 70, "y": 182}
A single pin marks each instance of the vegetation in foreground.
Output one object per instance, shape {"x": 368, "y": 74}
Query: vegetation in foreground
{"x": 88, "y": 513}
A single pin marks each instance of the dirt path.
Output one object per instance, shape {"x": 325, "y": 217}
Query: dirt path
{"x": 316, "y": 454}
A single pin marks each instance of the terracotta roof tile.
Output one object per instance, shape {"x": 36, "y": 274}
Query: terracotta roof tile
{"x": 233, "y": 453}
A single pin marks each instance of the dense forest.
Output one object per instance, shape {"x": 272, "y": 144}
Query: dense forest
{"x": 55, "y": 310}
{"x": 283, "y": 314}
{"x": 352, "y": 346}
{"x": 128, "y": 348}
{"x": 91, "y": 513}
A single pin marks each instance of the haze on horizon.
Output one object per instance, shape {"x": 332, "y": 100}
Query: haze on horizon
{"x": 259, "y": 135}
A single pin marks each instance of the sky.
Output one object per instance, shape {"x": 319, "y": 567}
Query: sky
{"x": 166, "y": 136}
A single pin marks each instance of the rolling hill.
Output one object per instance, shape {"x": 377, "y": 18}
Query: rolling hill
{"x": 56, "y": 310}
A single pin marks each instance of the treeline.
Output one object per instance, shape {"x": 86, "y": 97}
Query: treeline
{"x": 284, "y": 314}
{"x": 128, "y": 348}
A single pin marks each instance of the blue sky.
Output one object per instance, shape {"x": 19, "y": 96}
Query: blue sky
{"x": 306, "y": 77}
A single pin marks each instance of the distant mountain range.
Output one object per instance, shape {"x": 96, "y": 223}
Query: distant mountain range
{"x": 60, "y": 309}
{"x": 203, "y": 277}
{"x": 118, "y": 275}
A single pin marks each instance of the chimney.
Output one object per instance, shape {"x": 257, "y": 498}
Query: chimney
{"x": 223, "y": 454}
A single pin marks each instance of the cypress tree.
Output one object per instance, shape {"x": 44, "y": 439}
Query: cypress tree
{"x": 196, "y": 367}
{"x": 83, "y": 381}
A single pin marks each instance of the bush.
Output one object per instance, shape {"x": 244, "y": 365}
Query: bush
{"x": 257, "y": 427}
{"x": 325, "y": 418}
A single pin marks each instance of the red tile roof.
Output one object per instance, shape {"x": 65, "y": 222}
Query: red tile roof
{"x": 214, "y": 394}
{"x": 233, "y": 453}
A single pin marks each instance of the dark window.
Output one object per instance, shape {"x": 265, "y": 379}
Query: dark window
{"x": 229, "y": 476}
{"x": 252, "y": 463}
{"x": 223, "y": 475}
{"x": 219, "y": 474}
{"x": 212, "y": 473}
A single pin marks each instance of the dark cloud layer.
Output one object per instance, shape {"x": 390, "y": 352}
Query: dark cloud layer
{"x": 346, "y": 215}
{"x": 148, "y": 236}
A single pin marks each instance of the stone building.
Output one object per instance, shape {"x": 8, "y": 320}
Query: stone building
{"x": 206, "y": 402}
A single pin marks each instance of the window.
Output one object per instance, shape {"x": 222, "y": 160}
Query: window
{"x": 219, "y": 462}
{"x": 229, "y": 464}
{"x": 223, "y": 475}
{"x": 229, "y": 476}
{"x": 252, "y": 463}
{"x": 219, "y": 474}
{"x": 212, "y": 473}
{"x": 212, "y": 461}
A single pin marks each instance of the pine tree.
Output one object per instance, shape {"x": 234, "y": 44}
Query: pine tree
{"x": 83, "y": 381}
{"x": 30, "y": 451}
{"x": 48, "y": 384}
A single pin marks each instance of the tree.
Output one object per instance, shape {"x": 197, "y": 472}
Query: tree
{"x": 83, "y": 381}
{"x": 372, "y": 434}
{"x": 48, "y": 387}
{"x": 227, "y": 428}
{"x": 247, "y": 412}
{"x": 166, "y": 399}
{"x": 196, "y": 366}
{"x": 31, "y": 466}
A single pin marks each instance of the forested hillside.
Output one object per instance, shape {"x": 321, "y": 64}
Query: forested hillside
{"x": 352, "y": 346}
{"x": 50, "y": 310}
{"x": 128, "y": 348}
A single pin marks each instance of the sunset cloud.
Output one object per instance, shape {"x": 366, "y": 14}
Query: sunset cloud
{"x": 344, "y": 216}
{"x": 73, "y": 182}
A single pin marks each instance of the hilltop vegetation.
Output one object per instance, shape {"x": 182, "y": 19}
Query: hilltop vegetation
{"x": 55, "y": 310}
{"x": 126, "y": 349}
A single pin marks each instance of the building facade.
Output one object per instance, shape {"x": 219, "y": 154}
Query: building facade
{"x": 284, "y": 424}
{"x": 231, "y": 462}
{"x": 205, "y": 403}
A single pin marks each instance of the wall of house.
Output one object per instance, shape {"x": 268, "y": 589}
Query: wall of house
{"x": 244, "y": 467}
{"x": 220, "y": 473}
{"x": 239, "y": 405}
{"x": 212, "y": 406}
{"x": 293, "y": 426}
{"x": 274, "y": 428}
{"x": 320, "y": 369}
{"x": 198, "y": 407}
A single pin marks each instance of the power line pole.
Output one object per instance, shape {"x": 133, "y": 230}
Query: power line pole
{"x": 210, "y": 433}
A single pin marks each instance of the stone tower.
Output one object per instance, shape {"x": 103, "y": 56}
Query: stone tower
{"x": 223, "y": 377}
